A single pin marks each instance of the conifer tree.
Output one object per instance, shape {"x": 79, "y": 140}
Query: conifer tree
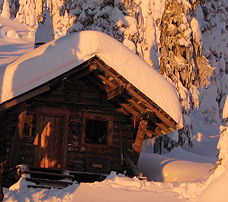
{"x": 44, "y": 32}
{"x": 6, "y": 9}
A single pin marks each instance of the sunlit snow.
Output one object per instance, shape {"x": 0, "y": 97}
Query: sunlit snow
{"x": 179, "y": 176}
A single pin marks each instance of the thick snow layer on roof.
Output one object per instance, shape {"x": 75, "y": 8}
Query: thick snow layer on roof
{"x": 56, "y": 57}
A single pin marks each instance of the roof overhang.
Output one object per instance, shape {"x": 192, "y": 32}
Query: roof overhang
{"x": 112, "y": 87}
{"x": 119, "y": 69}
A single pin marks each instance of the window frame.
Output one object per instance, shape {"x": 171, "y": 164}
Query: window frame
{"x": 98, "y": 117}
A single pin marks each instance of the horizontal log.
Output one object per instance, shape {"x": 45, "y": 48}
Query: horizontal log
{"x": 163, "y": 117}
{"x": 113, "y": 93}
{"x": 164, "y": 128}
{"x": 130, "y": 110}
{"x": 138, "y": 106}
{"x": 109, "y": 73}
{"x": 107, "y": 81}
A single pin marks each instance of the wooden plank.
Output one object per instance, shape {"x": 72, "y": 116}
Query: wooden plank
{"x": 46, "y": 173}
{"x": 84, "y": 72}
{"x": 107, "y": 81}
{"x": 164, "y": 128}
{"x": 139, "y": 140}
{"x": 70, "y": 74}
{"x": 132, "y": 165}
{"x": 169, "y": 122}
{"x": 14, "y": 156}
{"x": 65, "y": 133}
{"x": 37, "y": 140}
{"x": 110, "y": 133}
{"x": 110, "y": 73}
{"x": 130, "y": 110}
{"x": 48, "y": 181}
{"x": 52, "y": 110}
{"x": 113, "y": 93}
{"x": 138, "y": 106}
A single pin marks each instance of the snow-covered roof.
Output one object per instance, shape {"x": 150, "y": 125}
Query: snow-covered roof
{"x": 59, "y": 56}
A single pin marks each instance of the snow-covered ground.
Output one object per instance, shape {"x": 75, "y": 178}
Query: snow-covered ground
{"x": 15, "y": 40}
{"x": 182, "y": 175}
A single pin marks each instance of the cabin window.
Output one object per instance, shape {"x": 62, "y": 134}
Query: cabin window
{"x": 97, "y": 129}
{"x": 28, "y": 125}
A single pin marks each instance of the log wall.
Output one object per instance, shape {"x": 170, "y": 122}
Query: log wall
{"x": 77, "y": 98}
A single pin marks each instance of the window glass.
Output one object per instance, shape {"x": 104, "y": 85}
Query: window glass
{"x": 96, "y": 131}
{"x": 28, "y": 125}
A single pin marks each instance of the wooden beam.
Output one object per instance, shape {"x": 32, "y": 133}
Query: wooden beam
{"x": 107, "y": 81}
{"x": 164, "y": 128}
{"x": 132, "y": 165}
{"x": 85, "y": 71}
{"x": 110, "y": 73}
{"x": 130, "y": 110}
{"x": 138, "y": 106}
{"x": 139, "y": 140}
{"x": 97, "y": 83}
{"x": 169, "y": 122}
{"x": 15, "y": 150}
{"x": 113, "y": 93}
{"x": 149, "y": 133}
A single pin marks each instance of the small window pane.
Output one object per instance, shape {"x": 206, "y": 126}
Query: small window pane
{"x": 28, "y": 125}
{"x": 96, "y": 131}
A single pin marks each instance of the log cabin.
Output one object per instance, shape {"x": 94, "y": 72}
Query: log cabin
{"x": 82, "y": 103}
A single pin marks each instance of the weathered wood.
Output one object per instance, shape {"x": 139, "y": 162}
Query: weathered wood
{"x": 14, "y": 156}
{"x": 133, "y": 166}
{"x": 110, "y": 133}
{"x": 149, "y": 133}
{"x": 109, "y": 73}
{"x": 164, "y": 128}
{"x": 48, "y": 181}
{"x": 65, "y": 133}
{"x": 130, "y": 109}
{"x": 42, "y": 173}
{"x": 52, "y": 110}
{"x": 168, "y": 121}
{"x": 139, "y": 140}
{"x": 113, "y": 93}
{"x": 50, "y": 149}
{"x": 138, "y": 106}
{"x": 107, "y": 81}
{"x": 37, "y": 140}
{"x": 85, "y": 72}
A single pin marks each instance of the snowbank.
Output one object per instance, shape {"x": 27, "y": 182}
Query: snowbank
{"x": 176, "y": 166}
{"x": 56, "y": 57}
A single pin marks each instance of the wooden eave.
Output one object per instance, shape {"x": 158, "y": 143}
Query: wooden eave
{"x": 113, "y": 88}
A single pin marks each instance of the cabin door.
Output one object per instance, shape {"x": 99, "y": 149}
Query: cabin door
{"x": 49, "y": 142}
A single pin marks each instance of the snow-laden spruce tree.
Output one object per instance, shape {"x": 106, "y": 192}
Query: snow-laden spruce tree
{"x": 6, "y": 9}
{"x": 27, "y": 13}
{"x": 45, "y": 31}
